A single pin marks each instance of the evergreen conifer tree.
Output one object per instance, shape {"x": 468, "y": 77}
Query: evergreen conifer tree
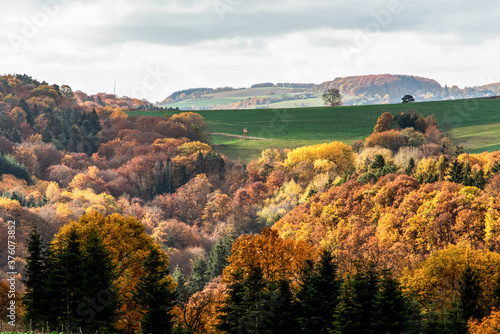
{"x": 318, "y": 296}
{"x": 234, "y": 307}
{"x": 393, "y": 314}
{"x": 357, "y": 310}
{"x": 198, "y": 277}
{"x": 410, "y": 167}
{"x": 64, "y": 289}
{"x": 34, "y": 279}
{"x": 154, "y": 294}
{"x": 99, "y": 308}
{"x": 178, "y": 277}
{"x": 479, "y": 179}
{"x": 379, "y": 162}
{"x": 218, "y": 257}
{"x": 467, "y": 179}
{"x": 455, "y": 173}
{"x": 470, "y": 293}
{"x": 284, "y": 316}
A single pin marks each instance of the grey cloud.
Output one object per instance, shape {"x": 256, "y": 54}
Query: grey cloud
{"x": 256, "y": 19}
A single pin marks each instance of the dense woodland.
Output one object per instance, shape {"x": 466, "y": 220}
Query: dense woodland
{"x": 135, "y": 224}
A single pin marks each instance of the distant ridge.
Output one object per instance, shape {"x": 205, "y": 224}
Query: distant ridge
{"x": 382, "y": 84}
{"x": 356, "y": 90}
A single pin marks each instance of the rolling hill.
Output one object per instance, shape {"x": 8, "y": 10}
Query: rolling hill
{"x": 473, "y": 124}
{"x": 356, "y": 90}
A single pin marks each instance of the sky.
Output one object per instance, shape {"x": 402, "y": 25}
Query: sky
{"x": 152, "y": 48}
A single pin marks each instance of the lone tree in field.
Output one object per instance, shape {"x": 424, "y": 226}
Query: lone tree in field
{"x": 407, "y": 99}
{"x": 332, "y": 97}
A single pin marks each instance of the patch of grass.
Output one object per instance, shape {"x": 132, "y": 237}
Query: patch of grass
{"x": 478, "y": 138}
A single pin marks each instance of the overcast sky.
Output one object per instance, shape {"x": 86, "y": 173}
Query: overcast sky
{"x": 155, "y": 47}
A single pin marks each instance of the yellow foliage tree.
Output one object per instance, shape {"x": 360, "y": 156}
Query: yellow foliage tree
{"x": 194, "y": 147}
{"x": 436, "y": 283}
{"x": 118, "y": 113}
{"x": 336, "y": 152}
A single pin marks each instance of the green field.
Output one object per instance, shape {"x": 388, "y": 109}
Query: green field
{"x": 473, "y": 124}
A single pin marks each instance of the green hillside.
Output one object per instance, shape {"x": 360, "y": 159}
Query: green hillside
{"x": 474, "y": 124}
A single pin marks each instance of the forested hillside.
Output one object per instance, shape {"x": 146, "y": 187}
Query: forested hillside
{"x": 139, "y": 225}
{"x": 394, "y": 85}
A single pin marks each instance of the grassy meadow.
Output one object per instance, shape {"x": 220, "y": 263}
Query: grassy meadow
{"x": 473, "y": 124}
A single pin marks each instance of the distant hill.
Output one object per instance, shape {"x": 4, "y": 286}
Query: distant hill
{"x": 382, "y": 84}
{"x": 356, "y": 90}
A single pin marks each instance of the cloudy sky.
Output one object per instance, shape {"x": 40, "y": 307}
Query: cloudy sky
{"x": 152, "y": 48}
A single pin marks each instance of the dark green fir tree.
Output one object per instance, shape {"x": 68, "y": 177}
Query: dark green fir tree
{"x": 154, "y": 294}
{"x": 34, "y": 280}
{"x": 198, "y": 277}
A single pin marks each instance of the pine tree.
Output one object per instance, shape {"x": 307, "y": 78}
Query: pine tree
{"x": 257, "y": 308}
{"x": 178, "y": 277}
{"x": 479, "y": 179}
{"x": 99, "y": 309}
{"x": 318, "y": 296}
{"x": 218, "y": 257}
{"x": 410, "y": 167}
{"x": 379, "y": 162}
{"x": 198, "y": 277}
{"x": 470, "y": 293}
{"x": 393, "y": 313}
{"x": 452, "y": 321}
{"x": 8, "y": 165}
{"x": 64, "y": 289}
{"x": 284, "y": 316}
{"x": 467, "y": 179}
{"x": 34, "y": 279}
{"x": 255, "y": 305}
{"x": 455, "y": 173}
{"x": 233, "y": 308}
{"x": 356, "y": 311}
{"x": 154, "y": 294}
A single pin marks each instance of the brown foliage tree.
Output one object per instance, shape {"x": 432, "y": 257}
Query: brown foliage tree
{"x": 391, "y": 140}
{"x": 383, "y": 123}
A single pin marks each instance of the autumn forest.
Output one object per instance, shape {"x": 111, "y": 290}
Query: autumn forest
{"x": 136, "y": 224}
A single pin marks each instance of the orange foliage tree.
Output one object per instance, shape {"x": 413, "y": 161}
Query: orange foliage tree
{"x": 276, "y": 257}
{"x": 383, "y": 122}
{"x": 128, "y": 246}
